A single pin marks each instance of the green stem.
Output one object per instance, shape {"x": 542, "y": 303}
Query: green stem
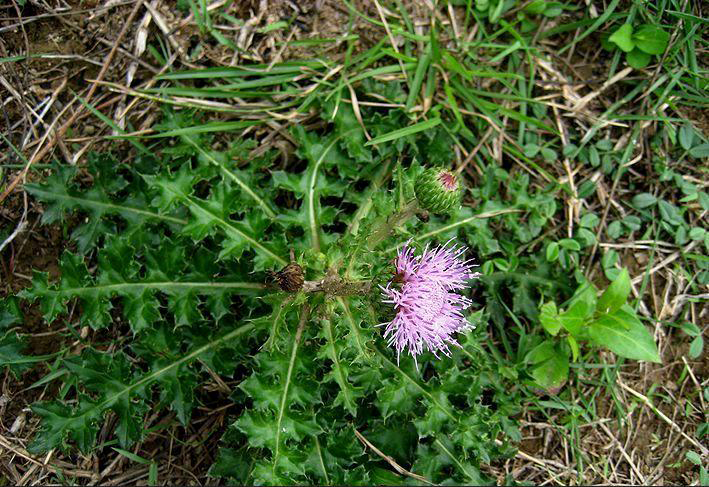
{"x": 304, "y": 313}
{"x": 386, "y": 227}
{"x": 334, "y": 285}
{"x": 382, "y": 230}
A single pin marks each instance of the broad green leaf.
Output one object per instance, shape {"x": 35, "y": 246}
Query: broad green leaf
{"x": 536, "y": 7}
{"x": 550, "y": 366}
{"x": 586, "y": 293}
{"x": 574, "y": 346}
{"x": 623, "y": 38}
{"x": 570, "y": 244}
{"x": 651, "y": 39}
{"x": 643, "y": 200}
{"x": 697, "y": 233}
{"x": 700, "y": 151}
{"x": 693, "y": 457}
{"x": 575, "y": 317}
{"x": 637, "y": 58}
{"x": 624, "y": 334}
{"x": 670, "y": 213}
{"x": 614, "y": 229}
{"x": 531, "y": 150}
{"x": 548, "y": 154}
{"x": 552, "y": 252}
{"x": 554, "y": 9}
{"x": 696, "y": 347}
{"x": 153, "y": 474}
{"x": 686, "y": 136}
{"x": 549, "y": 318}
{"x": 691, "y": 329}
{"x": 542, "y": 352}
{"x": 616, "y": 295}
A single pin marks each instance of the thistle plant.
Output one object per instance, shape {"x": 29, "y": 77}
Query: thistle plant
{"x": 211, "y": 265}
{"x": 278, "y": 282}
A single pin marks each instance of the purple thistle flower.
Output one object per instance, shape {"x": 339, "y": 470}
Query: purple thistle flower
{"x": 444, "y": 266}
{"x": 429, "y": 312}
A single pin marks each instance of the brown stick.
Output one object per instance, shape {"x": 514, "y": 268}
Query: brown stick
{"x": 401, "y": 470}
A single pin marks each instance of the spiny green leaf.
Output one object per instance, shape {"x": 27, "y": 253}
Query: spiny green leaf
{"x": 212, "y": 214}
{"x": 99, "y": 201}
{"x": 11, "y": 348}
{"x": 177, "y": 123}
{"x": 319, "y": 154}
{"x": 9, "y": 313}
{"x": 119, "y": 275}
{"x": 115, "y": 392}
{"x": 277, "y": 422}
{"x": 60, "y": 422}
{"x": 333, "y": 350}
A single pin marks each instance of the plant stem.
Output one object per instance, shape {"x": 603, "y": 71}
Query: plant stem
{"x": 334, "y": 285}
{"x": 386, "y": 227}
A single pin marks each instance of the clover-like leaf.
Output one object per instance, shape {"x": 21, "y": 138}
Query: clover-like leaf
{"x": 623, "y": 38}
{"x": 651, "y": 39}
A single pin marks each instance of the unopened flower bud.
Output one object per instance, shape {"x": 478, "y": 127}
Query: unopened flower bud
{"x": 437, "y": 190}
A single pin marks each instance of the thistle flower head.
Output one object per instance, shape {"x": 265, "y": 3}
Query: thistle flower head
{"x": 437, "y": 190}
{"x": 429, "y": 311}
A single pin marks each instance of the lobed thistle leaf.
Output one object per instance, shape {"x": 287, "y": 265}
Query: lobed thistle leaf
{"x": 119, "y": 274}
{"x": 10, "y": 313}
{"x": 280, "y": 419}
{"x": 100, "y": 201}
{"x": 212, "y": 216}
{"x": 11, "y": 356}
{"x": 11, "y": 345}
{"x": 119, "y": 386}
{"x": 320, "y": 155}
{"x": 333, "y": 350}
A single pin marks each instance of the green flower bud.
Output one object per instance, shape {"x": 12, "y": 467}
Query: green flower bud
{"x": 437, "y": 190}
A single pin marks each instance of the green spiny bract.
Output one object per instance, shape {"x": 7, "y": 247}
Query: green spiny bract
{"x": 438, "y": 190}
